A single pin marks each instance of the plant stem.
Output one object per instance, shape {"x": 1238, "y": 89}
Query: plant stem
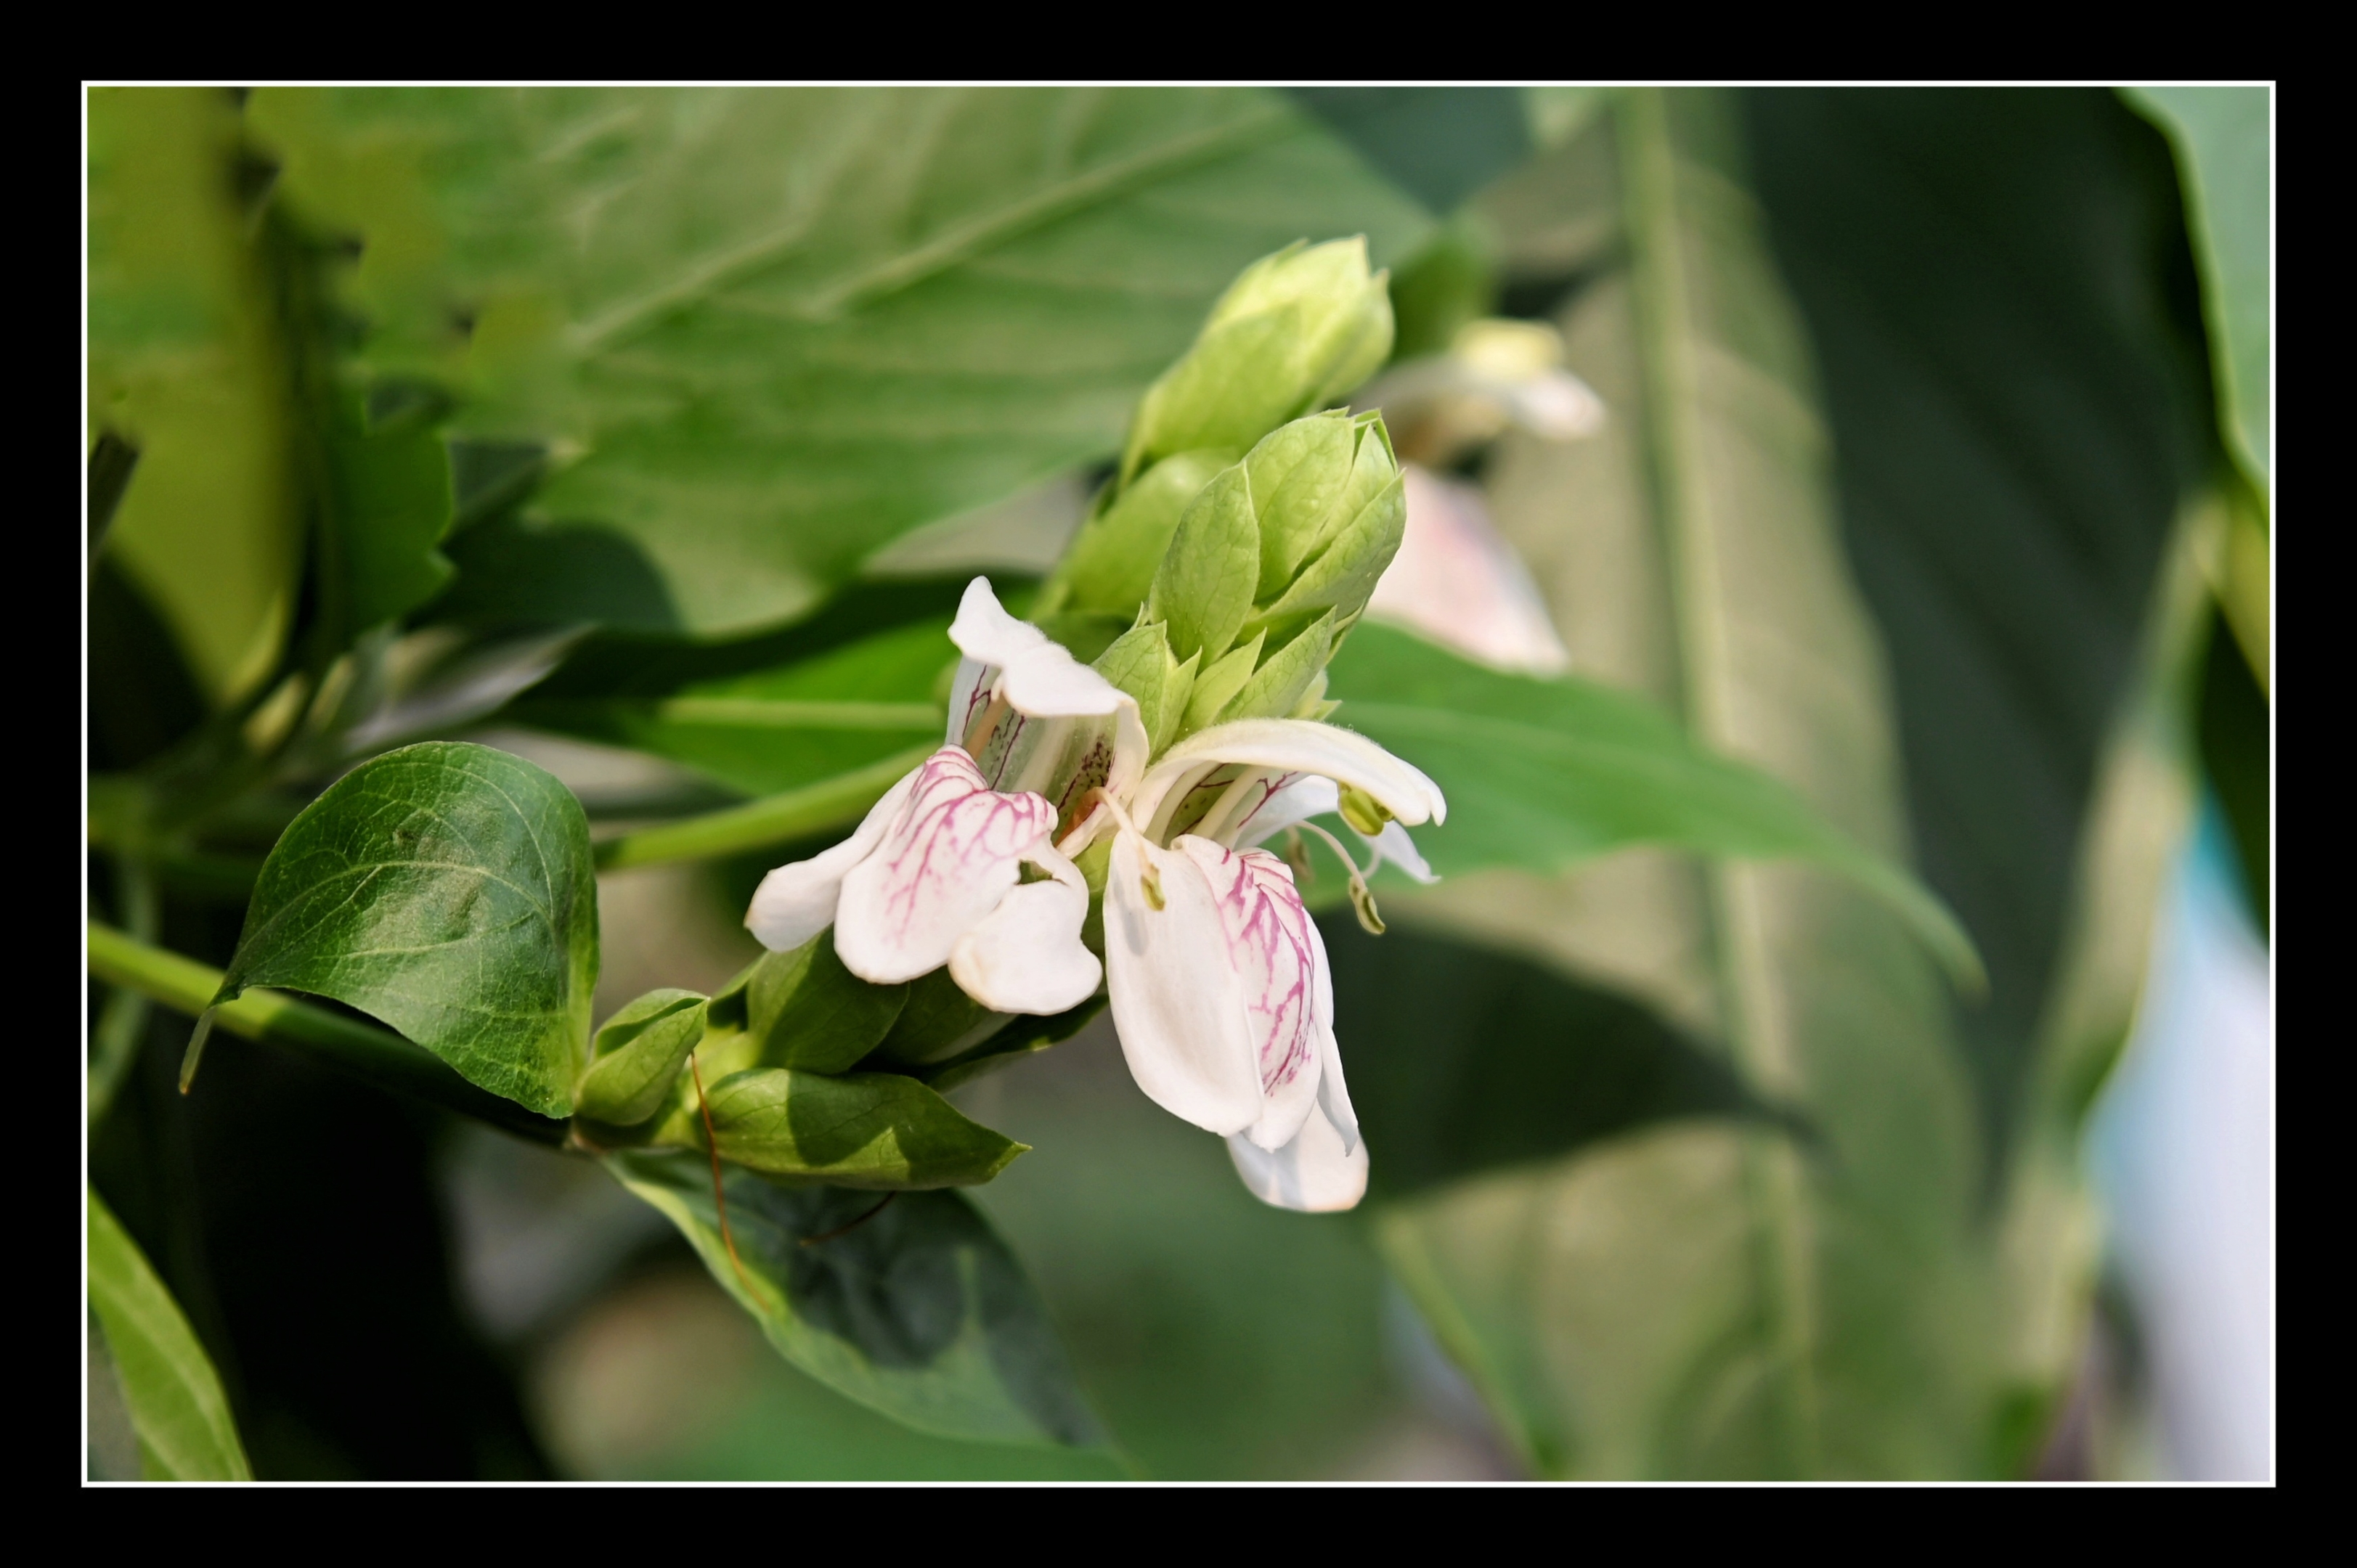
{"x": 123, "y": 1020}
{"x": 832, "y": 803}
{"x": 365, "y": 1050}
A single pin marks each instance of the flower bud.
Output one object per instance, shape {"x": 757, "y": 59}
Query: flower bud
{"x": 1295, "y": 331}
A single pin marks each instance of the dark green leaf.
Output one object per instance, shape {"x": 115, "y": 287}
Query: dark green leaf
{"x": 1440, "y": 144}
{"x": 1462, "y": 1060}
{"x": 446, "y": 890}
{"x": 168, "y": 1385}
{"x": 802, "y": 1009}
{"x": 917, "y": 1310}
{"x": 790, "y": 324}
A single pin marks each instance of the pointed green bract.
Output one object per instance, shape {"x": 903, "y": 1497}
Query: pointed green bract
{"x": 1285, "y": 677}
{"x": 1216, "y": 686}
{"x": 1140, "y": 662}
{"x": 1298, "y": 473}
{"x": 1203, "y": 589}
{"x": 446, "y": 890}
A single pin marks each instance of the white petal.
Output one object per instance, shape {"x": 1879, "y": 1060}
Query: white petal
{"x": 1297, "y": 746}
{"x": 1176, "y": 1004}
{"x": 986, "y": 634}
{"x": 943, "y": 864}
{"x": 1316, "y": 1173}
{"x": 796, "y": 902}
{"x": 1037, "y": 675}
{"x": 1026, "y": 956}
{"x": 1333, "y": 1094}
{"x": 969, "y": 695}
{"x": 1394, "y": 844}
{"x": 1275, "y": 954}
{"x": 1293, "y": 804}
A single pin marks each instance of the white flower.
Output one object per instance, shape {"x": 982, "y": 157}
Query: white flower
{"x": 934, "y": 874}
{"x": 1220, "y": 989}
{"x": 1219, "y": 982}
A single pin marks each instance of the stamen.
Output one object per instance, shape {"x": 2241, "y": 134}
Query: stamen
{"x": 1362, "y": 898}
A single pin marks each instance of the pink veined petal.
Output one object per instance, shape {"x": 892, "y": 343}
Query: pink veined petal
{"x": 1177, "y": 1005}
{"x": 1036, "y": 674}
{"x": 1275, "y": 954}
{"x": 944, "y": 864}
{"x": 1294, "y": 803}
{"x": 796, "y": 902}
{"x": 969, "y": 695}
{"x": 1026, "y": 956}
{"x": 1317, "y": 1173}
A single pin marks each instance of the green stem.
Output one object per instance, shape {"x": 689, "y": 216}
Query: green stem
{"x": 798, "y": 813}
{"x": 122, "y": 1021}
{"x": 365, "y": 1050}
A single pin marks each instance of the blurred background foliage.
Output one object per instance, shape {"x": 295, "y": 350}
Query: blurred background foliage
{"x": 651, "y": 434}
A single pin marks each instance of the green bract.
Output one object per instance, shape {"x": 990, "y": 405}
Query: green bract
{"x": 1297, "y": 329}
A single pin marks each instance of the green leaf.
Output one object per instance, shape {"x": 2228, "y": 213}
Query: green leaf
{"x": 879, "y": 1130}
{"x": 1543, "y": 774}
{"x": 445, "y": 889}
{"x": 637, "y": 1055}
{"x": 789, "y": 324}
{"x": 1440, "y": 144}
{"x": 1203, "y": 588}
{"x": 174, "y": 1396}
{"x": 919, "y": 1311}
{"x": 801, "y": 1009}
{"x": 390, "y": 479}
{"x": 766, "y": 731}
{"x": 2222, "y": 140}
{"x": 1140, "y": 663}
{"x": 187, "y": 365}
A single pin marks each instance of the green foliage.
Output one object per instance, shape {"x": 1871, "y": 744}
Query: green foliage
{"x": 1542, "y": 774}
{"x": 637, "y": 1057}
{"x": 789, "y": 324}
{"x": 446, "y": 889}
{"x": 169, "y": 1387}
{"x": 1203, "y": 589}
{"x": 918, "y": 1309}
{"x": 2221, "y": 138}
{"x": 801, "y": 1009}
{"x": 879, "y": 1130}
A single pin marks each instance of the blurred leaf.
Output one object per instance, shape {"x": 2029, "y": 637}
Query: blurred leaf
{"x": 1437, "y": 144}
{"x": 760, "y": 332}
{"x": 446, "y": 890}
{"x": 2222, "y": 139}
{"x": 766, "y": 731}
{"x": 1542, "y": 774}
{"x": 186, "y": 364}
{"x": 1998, "y": 292}
{"x": 173, "y": 1394}
{"x": 919, "y": 1311}
{"x": 1986, "y": 277}
{"x": 1463, "y": 1059}
{"x": 1704, "y": 1297}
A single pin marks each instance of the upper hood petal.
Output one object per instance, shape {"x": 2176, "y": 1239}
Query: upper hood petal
{"x": 1037, "y": 676}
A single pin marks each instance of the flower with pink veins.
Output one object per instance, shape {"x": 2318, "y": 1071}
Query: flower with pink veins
{"x": 934, "y": 874}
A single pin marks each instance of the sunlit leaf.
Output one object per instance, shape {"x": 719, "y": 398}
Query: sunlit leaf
{"x": 445, "y": 889}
